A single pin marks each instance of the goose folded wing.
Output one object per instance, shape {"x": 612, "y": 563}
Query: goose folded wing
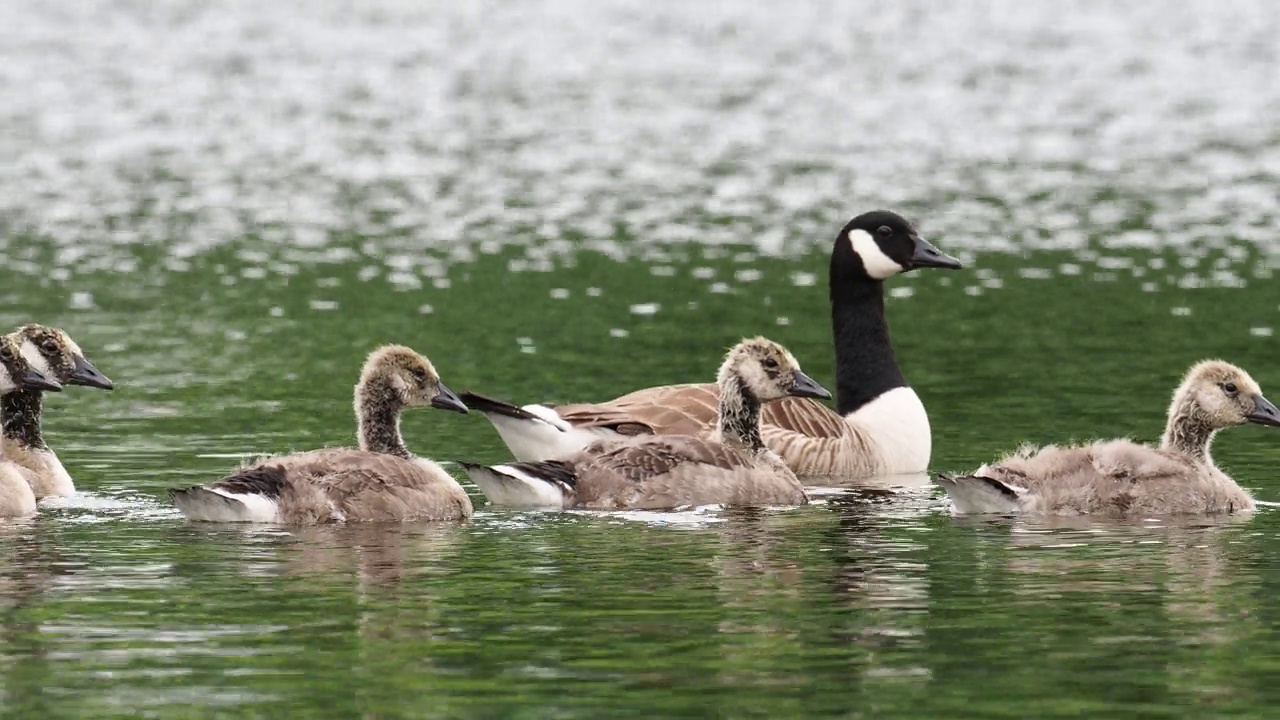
{"x": 656, "y": 411}
{"x": 691, "y": 409}
{"x": 658, "y": 457}
{"x": 804, "y": 416}
{"x": 365, "y": 494}
{"x": 325, "y": 466}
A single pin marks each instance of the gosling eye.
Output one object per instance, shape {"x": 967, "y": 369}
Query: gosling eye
{"x": 419, "y": 373}
{"x": 770, "y": 363}
{"x": 884, "y": 231}
{"x": 1231, "y": 388}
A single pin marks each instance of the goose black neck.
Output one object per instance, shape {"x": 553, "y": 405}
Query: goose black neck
{"x": 738, "y": 416}
{"x": 378, "y": 417}
{"x": 22, "y": 410}
{"x": 865, "y": 365}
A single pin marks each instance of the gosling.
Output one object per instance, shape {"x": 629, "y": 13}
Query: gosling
{"x": 1119, "y": 478}
{"x": 52, "y": 352}
{"x": 382, "y": 481}
{"x": 734, "y": 467}
{"x": 16, "y": 497}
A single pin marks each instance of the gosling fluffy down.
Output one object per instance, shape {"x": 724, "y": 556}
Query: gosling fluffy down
{"x": 1120, "y": 478}
{"x": 381, "y": 481}
{"x": 659, "y": 472}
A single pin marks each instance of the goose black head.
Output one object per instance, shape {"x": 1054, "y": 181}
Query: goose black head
{"x": 880, "y": 244}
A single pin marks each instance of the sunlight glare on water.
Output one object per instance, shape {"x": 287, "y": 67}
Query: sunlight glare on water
{"x": 228, "y": 205}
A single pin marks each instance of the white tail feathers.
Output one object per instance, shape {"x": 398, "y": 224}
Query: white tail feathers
{"x": 544, "y": 437}
{"x": 212, "y": 505}
{"x": 974, "y": 495}
{"x": 513, "y": 486}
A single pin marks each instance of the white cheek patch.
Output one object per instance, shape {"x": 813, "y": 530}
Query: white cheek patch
{"x": 36, "y": 359}
{"x": 878, "y": 265}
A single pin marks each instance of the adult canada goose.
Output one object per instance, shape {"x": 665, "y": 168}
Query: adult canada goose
{"x": 382, "y": 481}
{"x": 879, "y": 426}
{"x": 656, "y": 472}
{"x": 52, "y": 352}
{"x": 16, "y": 498}
{"x": 1119, "y": 477}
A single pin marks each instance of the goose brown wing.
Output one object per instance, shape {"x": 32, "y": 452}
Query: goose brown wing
{"x": 804, "y": 416}
{"x": 321, "y": 465}
{"x": 665, "y": 410}
{"x": 659, "y": 456}
{"x": 392, "y": 491}
{"x": 690, "y": 409}
{"x": 369, "y": 495}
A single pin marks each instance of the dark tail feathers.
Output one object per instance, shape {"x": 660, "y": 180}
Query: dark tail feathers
{"x": 552, "y": 471}
{"x": 268, "y": 480}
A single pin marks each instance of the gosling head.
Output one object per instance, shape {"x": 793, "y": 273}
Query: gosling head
{"x": 16, "y": 373}
{"x": 768, "y": 371}
{"x": 56, "y": 355}
{"x": 880, "y": 244}
{"x": 1223, "y": 395}
{"x": 411, "y": 376}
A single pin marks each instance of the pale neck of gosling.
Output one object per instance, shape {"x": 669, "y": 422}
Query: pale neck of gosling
{"x": 1188, "y": 431}
{"x": 738, "y": 415}
{"x": 22, "y": 411}
{"x": 378, "y": 408}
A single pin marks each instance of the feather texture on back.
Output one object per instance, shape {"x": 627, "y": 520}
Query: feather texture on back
{"x": 809, "y": 437}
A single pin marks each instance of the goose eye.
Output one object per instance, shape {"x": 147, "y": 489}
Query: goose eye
{"x": 1230, "y": 388}
{"x": 770, "y": 363}
{"x": 49, "y": 346}
{"x": 884, "y": 231}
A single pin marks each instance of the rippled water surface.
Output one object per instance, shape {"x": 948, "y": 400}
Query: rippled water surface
{"x": 229, "y": 204}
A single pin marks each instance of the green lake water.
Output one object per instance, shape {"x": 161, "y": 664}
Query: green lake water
{"x": 229, "y": 207}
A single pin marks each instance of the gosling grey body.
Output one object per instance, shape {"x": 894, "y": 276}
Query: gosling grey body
{"x": 380, "y": 481}
{"x": 1119, "y": 478}
{"x": 733, "y": 466}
